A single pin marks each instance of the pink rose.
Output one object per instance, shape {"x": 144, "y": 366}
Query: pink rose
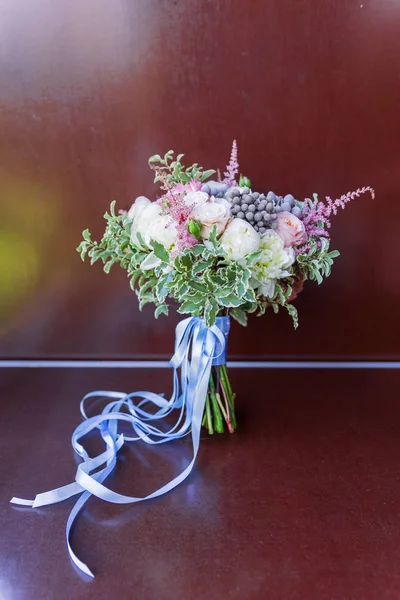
{"x": 290, "y": 229}
{"x": 210, "y": 214}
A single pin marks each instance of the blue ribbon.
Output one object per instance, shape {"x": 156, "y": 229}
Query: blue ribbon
{"x": 197, "y": 348}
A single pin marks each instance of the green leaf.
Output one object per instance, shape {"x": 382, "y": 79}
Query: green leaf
{"x": 294, "y": 314}
{"x": 200, "y": 287}
{"x": 161, "y": 287}
{"x": 249, "y": 296}
{"x": 253, "y": 258}
{"x": 160, "y": 251}
{"x": 198, "y": 249}
{"x": 145, "y": 300}
{"x": 86, "y": 235}
{"x": 262, "y": 307}
{"x": 244, "y": 181}
{"x": 147, "y": 285}
{"x": 133, "y": 279}
{"x": 201, "y": 266}
{"x": 230, "y": 301}
{"x": 275, "y": 307}
{"x": 150, "y": 262}
{"x": 140, "y": 239}
{"x": 108, "y": 265}
{"x": 161, "y": 310}
{"x": 155, "y": 158}
{"x": 210, "y": 311}
{"x": 189, "y": 307}
{"x": 242, "y": 283}
{"x": 334, "y": 254}
{"x": 213, "y": 236}
{"x": 222, "y": 292}
{"x": 82, "y": 249}
{"x": 206, "y": 174}
{"x": 186, "y": 261}
{"x": 95, "y": 254}
{"x": 239, "y": 315}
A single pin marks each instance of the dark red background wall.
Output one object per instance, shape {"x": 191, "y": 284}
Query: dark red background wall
{"x": 89, "y": 90}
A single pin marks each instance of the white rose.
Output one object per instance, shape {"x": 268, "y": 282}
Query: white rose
{"x": 240, "y": 239}
{"x": 163, "y": 231}
{"x": 209, "y": 215}
{"x": 195, "y": 198}
{"x": 138, "y": 206}
{"x": 143, "y": 219}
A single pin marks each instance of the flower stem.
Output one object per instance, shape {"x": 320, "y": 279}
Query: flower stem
{"x": 208, "y": 416}
{"x": 218, "y": 422}
{"x": 229, "y": 413}
{"x": 219, "y": 406}
{"x": 226, "y": 386}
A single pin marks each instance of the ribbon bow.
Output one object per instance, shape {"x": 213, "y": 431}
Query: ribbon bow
{"x": 197, "y": 347}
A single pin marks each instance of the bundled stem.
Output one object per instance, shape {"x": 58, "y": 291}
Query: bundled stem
{"x": 219, "y": 413}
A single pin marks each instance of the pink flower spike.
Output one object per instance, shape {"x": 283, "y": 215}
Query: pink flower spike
{"x": 317, "y": 216}
{"x": 332, "y": 206}
{"x": 174, "y": 205}
{"x": 232, "y": 168}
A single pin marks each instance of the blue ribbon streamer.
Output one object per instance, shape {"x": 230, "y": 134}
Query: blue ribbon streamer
{"x": 197, "y": 348}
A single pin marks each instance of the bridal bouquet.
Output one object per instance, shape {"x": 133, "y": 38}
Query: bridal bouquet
{"x": 218, "y": 248}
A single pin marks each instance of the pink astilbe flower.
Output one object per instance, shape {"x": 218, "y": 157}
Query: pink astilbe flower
{"x": 175, "y": 206}
{"x": 304, "y": 249}
{"x": 316, "y": 215}
{"x": 185, "y": 239}
{"x": 232, "y": 168}
{"x": 331, "y": 207}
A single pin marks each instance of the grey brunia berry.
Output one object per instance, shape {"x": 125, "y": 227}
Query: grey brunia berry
{"x": 260, "y": 210}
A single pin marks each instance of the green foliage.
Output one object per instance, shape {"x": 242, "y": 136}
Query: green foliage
{"x": 174, "y": 171}
{"x": 292, "y": 310}
{"x": 162, "y": 309}
{"x": 160, "y": 252}
{"x": 244, "y": 181}
{"x": 201, "y": 279}
{"x": 239, "y": 315}
{"x": 317, "y": 263}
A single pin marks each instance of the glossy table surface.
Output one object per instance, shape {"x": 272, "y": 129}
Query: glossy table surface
{"x": 302, "y": 503}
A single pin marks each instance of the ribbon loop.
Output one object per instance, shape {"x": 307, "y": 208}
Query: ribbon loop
{"x": 197, "y": 348}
